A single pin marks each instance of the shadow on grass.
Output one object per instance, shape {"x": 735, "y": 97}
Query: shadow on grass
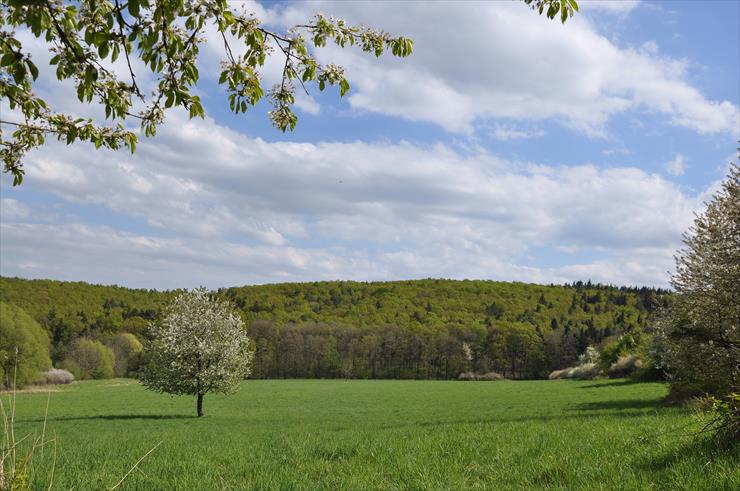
{"x": 620, "y": 404}
{"x": 703, "y": 448}
{"x": 571, "y": 415}
{"x": 614, "y": 383}
{"x": 110, "y": 417}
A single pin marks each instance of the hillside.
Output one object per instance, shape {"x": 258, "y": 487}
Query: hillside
{"x": 404, "y": 329}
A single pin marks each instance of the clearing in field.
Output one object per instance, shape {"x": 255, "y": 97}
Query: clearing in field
{"x": 361, "y": 434}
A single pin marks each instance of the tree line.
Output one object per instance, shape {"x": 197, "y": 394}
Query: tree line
{"x": 426, "y": 329}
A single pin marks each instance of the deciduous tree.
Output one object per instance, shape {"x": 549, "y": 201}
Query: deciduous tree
{"x": 24, "y": 347}
{"x": 200, "y": 346}
{"x": 700, "y": 338}
{"x": 88, "y": 37}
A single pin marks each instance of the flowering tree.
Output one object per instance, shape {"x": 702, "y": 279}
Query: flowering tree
{"x": 698, "y": 341}
{"x": 200, "y": 346}
{"x": 162, "y": 40}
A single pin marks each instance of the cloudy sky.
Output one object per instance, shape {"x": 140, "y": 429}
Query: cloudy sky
{"x": 506, "y": 147}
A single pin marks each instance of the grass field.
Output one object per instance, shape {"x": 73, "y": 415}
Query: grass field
{"x": 332, "y": 434}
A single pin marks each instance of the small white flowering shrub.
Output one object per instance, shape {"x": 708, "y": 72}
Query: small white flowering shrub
{"x": 57, "y": 376}
{"x": 624, "y": 366}
{"x": 490, "y": 376}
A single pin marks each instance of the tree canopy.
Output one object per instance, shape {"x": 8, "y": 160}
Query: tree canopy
{"x": 703, "y": 328}
{"x": 163, "y": 39}
{"x": 200, "y": 346}
{"x": 400, "y": 329}
{"x": 24, "y": 347}
{"x": 698, "y": 338}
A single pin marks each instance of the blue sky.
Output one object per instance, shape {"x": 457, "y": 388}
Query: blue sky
{"x": 506, "y": 147}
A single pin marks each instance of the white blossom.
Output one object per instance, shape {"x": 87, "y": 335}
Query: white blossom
{"x": 200, "y": 346}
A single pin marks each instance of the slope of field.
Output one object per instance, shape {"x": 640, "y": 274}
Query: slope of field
{"x": 331, "y": 434}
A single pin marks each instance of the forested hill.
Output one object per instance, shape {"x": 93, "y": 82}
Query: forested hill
{"x": 401, "y": 329}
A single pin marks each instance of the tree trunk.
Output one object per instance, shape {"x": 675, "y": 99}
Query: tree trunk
{"x": 200, "y": 405}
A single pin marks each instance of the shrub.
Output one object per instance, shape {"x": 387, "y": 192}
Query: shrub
{"x": 24, "y": 347}
{"x": 591, "y": 355}
{"x": 623, "y": 346}
{"x": 127, "y": 351}
{"x": 556, "y": 374}
{"x": 624, "y": 366}
{"x": 726, "y": 421}
{"x": 489, "y": 376}
{"x": 88, "y": 359}
{"x": 584, "y": 372}
{"x": 57, "y": 376}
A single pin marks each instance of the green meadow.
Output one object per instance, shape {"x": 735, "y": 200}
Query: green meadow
{"x": 373, "y": 434}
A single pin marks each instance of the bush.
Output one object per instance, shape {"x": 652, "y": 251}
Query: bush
{"x": 726, "y": 421}
{"x": 24, "y": 347}
{"x": 57, "y": 376}
{"x": 624, "y": 366}
{"x": 127, "y": 351}
{"x": 623, "y": 346}
{"x": 88, "y": 359}
{"x": 591, "y": 355}
{"x": 556, "y": 374}
{"x": 489, "y": 376}
{"x": 582, "y": 372}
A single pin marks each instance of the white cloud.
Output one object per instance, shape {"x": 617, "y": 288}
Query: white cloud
{"x": 609, "y": 6}
{"x": 12, "y": 209}
{"x": 224, "y": 208}
{"x": 487, "y": 60}
{"x": 508, "y": 132}
{"x": 677, "y": 166}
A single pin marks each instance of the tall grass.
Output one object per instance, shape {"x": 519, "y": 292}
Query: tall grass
{"x": 22, "y": 457}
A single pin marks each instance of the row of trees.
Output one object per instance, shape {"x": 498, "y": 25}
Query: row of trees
{"x": 320, "y": 350}
{"x": 25, "y": 352}
{"x": 408, "y": 329}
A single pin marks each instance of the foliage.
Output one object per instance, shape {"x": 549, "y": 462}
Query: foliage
{"x": 382, "y": 434}
{"x": 586, "y": 371}
{"x": 24, "y": 347}
{"x": 726, "y": 419}
{"x": 57, "y": 376}
{"x": 554, "y": 8}
{"x": 490, "y": 376}
{"x": 625, "y": 366}
{"x": 401, "y": 329}
{"x": 127, "y": 351}
{"x": 700, "y": 333}
{"x": 88, "y": 37}
{"x": 200, "y": 346}
{"x": 698, "y": 340}
{"x": 625, "y": 344}
{"x": 587, "y": 368}
{"x": 591, "y": 355}
{"x": 89, "y": 359}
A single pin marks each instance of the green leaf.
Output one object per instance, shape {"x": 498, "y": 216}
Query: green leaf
{"x": 8, "y": 59}
{"x": 343, "y": 87}
{"x": 133, "y": 7}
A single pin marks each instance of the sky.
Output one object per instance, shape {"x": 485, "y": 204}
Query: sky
{"x": 507, "y": 147}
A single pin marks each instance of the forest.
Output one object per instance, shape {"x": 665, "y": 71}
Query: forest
{"x": 420, "y": 329}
